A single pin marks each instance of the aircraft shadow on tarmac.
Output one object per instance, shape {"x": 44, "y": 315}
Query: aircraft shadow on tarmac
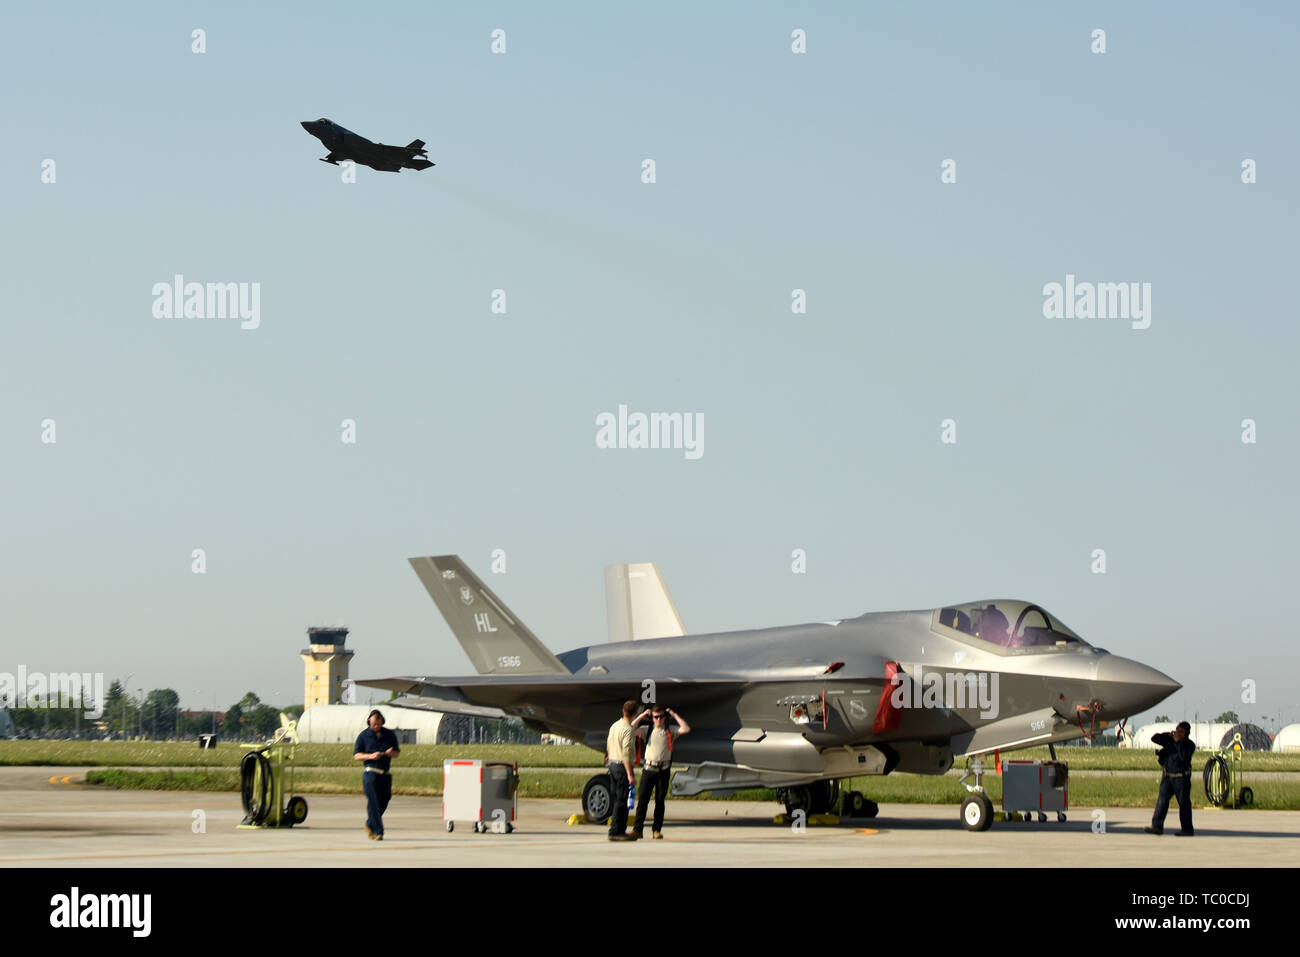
{"x": 885, "y": 823}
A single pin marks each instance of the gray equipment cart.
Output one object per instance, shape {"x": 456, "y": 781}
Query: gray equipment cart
{"x": 1035, "y": 786}
{"x": 481, "y": 792}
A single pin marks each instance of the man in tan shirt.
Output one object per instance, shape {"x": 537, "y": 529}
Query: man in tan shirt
{"x": 658, "y": 765}
{"x": 620, "y": 752}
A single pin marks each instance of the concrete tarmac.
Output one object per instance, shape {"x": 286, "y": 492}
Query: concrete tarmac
{"x": 48, "y": 818}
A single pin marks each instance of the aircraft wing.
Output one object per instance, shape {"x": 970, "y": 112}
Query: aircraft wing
{"x": 517, "y": 694}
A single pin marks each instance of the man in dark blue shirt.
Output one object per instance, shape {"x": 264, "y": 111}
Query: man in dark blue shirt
{"x": 376, "y": 746}
{"x": 1175, "y": 756}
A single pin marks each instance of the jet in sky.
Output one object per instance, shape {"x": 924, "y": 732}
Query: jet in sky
{"x": 797, "y": 708}
{"x": 345, "y": 145}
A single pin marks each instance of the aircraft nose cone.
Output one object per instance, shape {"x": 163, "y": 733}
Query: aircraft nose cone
{"x": 1129, "y": 687}
{"x": 307, "y": 125}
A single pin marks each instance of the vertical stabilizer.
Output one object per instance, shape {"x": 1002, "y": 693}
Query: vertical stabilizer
{"x": 637, "y": 603}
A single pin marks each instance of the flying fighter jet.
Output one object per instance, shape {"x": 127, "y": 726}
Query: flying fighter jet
{"x": 801, "y": 707}
{"x": 346, "y": 145}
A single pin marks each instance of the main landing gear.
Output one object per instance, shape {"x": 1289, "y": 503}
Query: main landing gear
{"x": 826, "y": 797}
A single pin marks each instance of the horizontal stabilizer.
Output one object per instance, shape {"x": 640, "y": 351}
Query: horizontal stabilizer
{"x": 415, "y": 145}
{"x": 420, "y": 164}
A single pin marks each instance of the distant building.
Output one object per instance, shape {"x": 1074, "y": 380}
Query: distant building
{"x": 326, "y": 663}
{"x": 1287, "y": 740}
{"x": 341, "y": 723}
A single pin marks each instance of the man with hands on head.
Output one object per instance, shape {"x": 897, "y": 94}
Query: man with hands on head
{"x": 657, "y": 765}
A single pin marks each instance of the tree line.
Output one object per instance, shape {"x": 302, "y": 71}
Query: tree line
{"x": 156, "y": 715}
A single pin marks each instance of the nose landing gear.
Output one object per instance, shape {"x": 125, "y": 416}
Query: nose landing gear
{"x": 976, "y": 808}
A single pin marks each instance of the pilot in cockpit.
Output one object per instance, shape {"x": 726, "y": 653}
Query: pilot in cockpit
{"x": 993, "y": 626}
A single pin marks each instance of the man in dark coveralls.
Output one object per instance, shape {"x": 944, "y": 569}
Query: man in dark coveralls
{"x": 376, "y": 746}
{"x": 1175, "y": 756}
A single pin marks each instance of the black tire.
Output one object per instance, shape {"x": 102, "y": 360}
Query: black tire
{"x": 976, "y": 812}
{"x": 1041, "y": 817}
{"x": 1247, "y": 797}
{"x": 871, "y": 808}
{"x": 510, "y": 828}
{"x": 1060, "y": 816}
{"x": 296, "y": 810}
{"x": 451, "y": 826}
{"x": 824, "y": 794}
{"x": 798, "y": 799}
{"x": 598, "y": 799}
{"x": 854, "y": 804}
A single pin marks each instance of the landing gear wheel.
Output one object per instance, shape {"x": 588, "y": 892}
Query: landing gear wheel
{"x": 976, "y": 812}
{"x": 598, "y": 799}
{"x": 824, "y": 794}
{"x": 1247, "y": 797}
{"x": 871, "y": 809}
{"x": 451, "y": 826}
{"x": 297, "y": 810}
{"x": 798, "y": 799}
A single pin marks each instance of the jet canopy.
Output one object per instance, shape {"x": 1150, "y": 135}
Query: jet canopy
{"x": 1008, "y": 623}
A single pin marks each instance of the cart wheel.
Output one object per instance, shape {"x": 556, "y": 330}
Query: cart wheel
{"x": 451, "y": 826}
{"x": 478, "y": 827}
{"x": 1247, "y": 797}
{"x": 1041, "y": 817}
{"x": 1060, "y": 816}
{"x": 510, "y": 828}
{"x": 297, "y": 810}
{"x": 976, "y": 812}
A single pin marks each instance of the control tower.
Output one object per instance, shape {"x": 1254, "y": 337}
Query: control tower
{"x": 326, "y": 663}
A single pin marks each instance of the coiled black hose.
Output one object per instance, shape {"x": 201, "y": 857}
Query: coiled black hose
{"x": 253, "y": 762}
{"x": 1216, "y": 780}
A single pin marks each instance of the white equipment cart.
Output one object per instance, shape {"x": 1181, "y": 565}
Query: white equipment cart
{"x": 481, "y": 792}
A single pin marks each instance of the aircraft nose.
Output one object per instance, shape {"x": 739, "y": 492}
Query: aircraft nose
{"x": 1129, "y": 687}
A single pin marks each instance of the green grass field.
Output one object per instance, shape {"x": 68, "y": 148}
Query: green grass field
{"x": 329, "y": 769}
{"x": 163, "y": 754}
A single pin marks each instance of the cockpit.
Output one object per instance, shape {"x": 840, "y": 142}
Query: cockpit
{"x": 1007, "y": 624}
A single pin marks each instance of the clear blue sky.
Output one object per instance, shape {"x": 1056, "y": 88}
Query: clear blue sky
{"x": 774, "y": 172}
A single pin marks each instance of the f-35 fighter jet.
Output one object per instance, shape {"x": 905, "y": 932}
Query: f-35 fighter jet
{"x": 796, "y": 708}
{"x": 346, "y": 145}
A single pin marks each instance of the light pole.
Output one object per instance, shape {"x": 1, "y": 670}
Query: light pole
{"x": 125, "y": 694}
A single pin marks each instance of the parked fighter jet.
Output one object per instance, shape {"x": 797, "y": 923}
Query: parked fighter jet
{"x": 797, "y": 708}
{"x": 346, "y": 145}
